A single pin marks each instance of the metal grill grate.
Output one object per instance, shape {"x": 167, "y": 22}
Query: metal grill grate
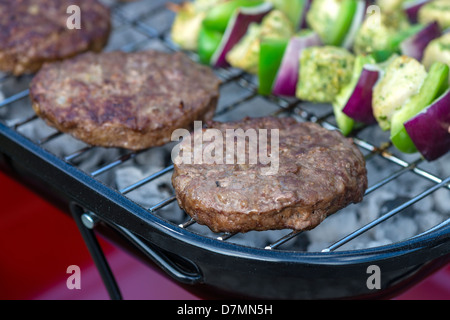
{"x": 146, "y": 24}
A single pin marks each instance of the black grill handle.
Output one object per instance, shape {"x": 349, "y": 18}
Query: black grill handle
{"x": 96, "y": 252}
{"x": 178, "y": 268}
{"x": 182, "y": 270}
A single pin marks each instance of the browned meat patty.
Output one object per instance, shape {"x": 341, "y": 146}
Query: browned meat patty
{"x": 128, "y": 100}
{"x": 35, "y": 31}
{"x": 320, "y": 172}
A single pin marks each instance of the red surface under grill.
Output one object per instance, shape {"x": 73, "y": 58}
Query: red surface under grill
{"x": 38, "y": 243}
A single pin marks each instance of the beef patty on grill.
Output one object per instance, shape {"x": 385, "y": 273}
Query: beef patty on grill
{"x": 128, "y": 100}
{"x": 319, "y": 172}
{"x": 36, "y": 31}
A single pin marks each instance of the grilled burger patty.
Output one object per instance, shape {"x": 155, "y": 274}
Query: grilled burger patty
{"x": 35, "y": 31}
{"x": 128, "y": 100}
{"x": 320, "y": 172}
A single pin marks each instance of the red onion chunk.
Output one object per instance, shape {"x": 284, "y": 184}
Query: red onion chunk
{"x": 359, "y": 106}
{"x": 430, "y": 129}
{"x": 412, "y": 9}
{"x": 415, "y": 45}
{"x": 303, "y": 24}
{"x": 237, "y": 28}
{"x": 286, "y": 81}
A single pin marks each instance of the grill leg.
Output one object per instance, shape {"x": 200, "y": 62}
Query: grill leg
{"x": 96, "y": 253}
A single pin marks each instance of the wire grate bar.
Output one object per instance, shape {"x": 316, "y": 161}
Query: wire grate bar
{"x": 25, "y": 121}
{"x": 283, "y": 240}
{"x": 365, "y": 145}
{"x": 226, "y": 236}
{"x": 49, "y": 138}
{"x": 429, "y": 176}
{"x": 146, "y": 180}
{"x": 226, "y": 74}
{"x": 437, "y": 227}
{"x": 416, "y": 170}
{"x": 388, "y": 156}
{"x": 234, "y": 105}
{"x": 14, "y": 98}
{"x": 392, "y": 177}
{"x": 146, "y": 30}
{"x": 77, "y": 153}
{"x": 187, "y": 224}
{"x": 385, "y": 217}
{"x": 246, "y": 84}
{"x": 168, "y": 43}
{"x": 163, "y": 203}
{"x": 114, "y": 164}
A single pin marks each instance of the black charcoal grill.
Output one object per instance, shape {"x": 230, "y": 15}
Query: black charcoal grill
{"x": 263, "y": 265}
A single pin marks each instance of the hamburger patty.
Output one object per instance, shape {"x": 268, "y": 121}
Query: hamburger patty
{"x": 127, "y": 100}
{"x": 319, "y": 172}
{"x": 35, "y": 31}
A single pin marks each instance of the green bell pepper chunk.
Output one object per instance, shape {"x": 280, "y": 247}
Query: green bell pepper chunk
{"x": 396, "y": 39}
{"x": 270, "y": 56}
{"x": 293, "y": 9}
{"x": 343, "y": 23}
{"x": 208, "y": 42}
{"x": 217, "y": 18}
{"x": 344, "y": 122}
{"x": 394, "y": 42}
{"x": 382, "y": 55}
{"x": 332, "y": 19}
{"x": 434, "y": 85}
